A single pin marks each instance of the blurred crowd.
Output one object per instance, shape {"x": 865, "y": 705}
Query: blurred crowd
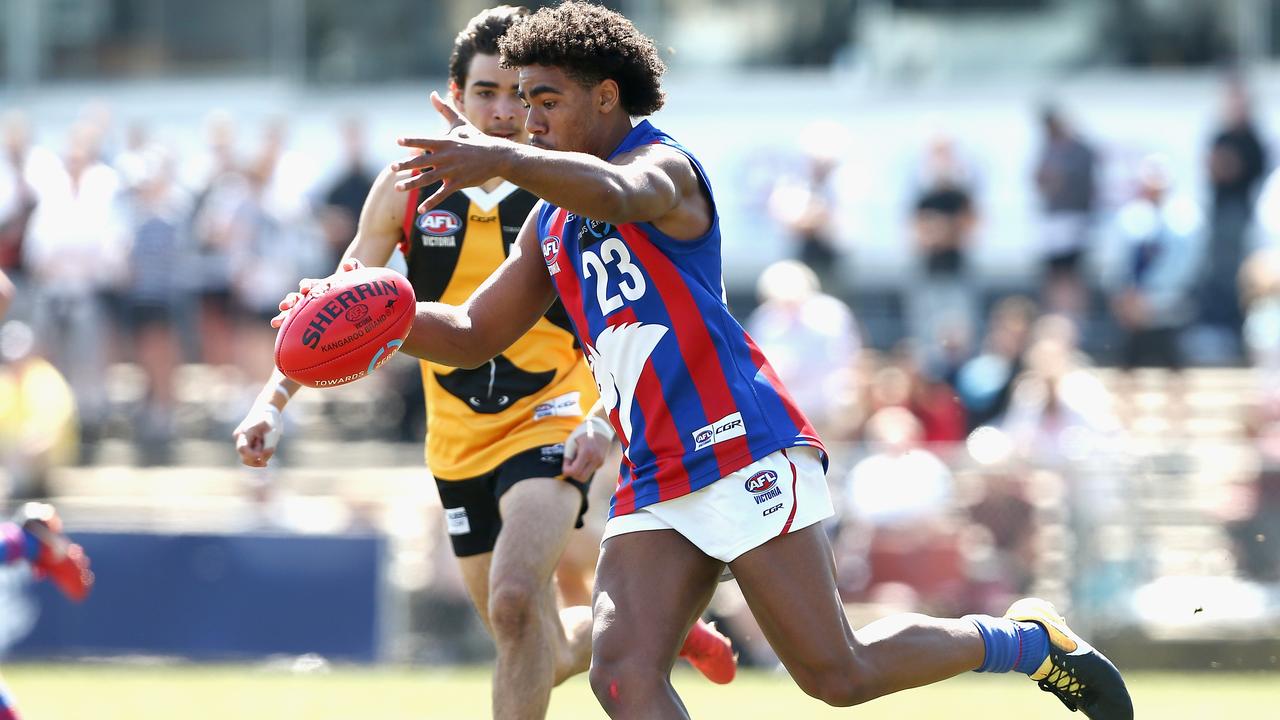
{"x": 126, "y": 253}
{"x": 953, "y": 445}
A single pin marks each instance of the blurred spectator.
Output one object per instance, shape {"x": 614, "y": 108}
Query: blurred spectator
{"x": 75, "y": 255}
{"x": 808, "y": 336}
{"x": 1066, "y": 180}
{"x": 274, "y": 243}
{"x": 37, "y": 414}
{"x": 342, "y": 201}
{"x": 17, "y": 197}
{"x": 930, "y": 399}
{"x": 1151, "y": 277}
{"x": 1003, "y": 539}
{"x": 942, "y": 305}
{"x": 131, "y": 163}
{"x": 7, "y": 291}
{"x": 1260, "y": 296}
{"x": 1237, "y": 163}
{"x": 899, "y": 499}
{"x": 805, "y": 204}
{"x": 218, "y": 185}
{"x": 900, "y": 482}
{"x": 1267, "y": 210}
{"x": 1059, "y": 411}
{"x": 155, "y": 292}
{"x": 984, "y": 384}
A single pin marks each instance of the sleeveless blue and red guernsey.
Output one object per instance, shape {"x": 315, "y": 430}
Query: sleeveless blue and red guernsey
{"x": 691, "y": 396}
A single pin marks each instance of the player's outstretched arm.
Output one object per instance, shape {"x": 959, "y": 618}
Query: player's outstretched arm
{"x": 501, "y": 310}
{"x": 645, "y": 185}
{"x": 376, "y": 236}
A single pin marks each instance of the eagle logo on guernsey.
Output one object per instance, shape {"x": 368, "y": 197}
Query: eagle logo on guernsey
{"x": 617, "y": 358}
{"x": 551, "y": 253}
{"x": 439, "y": 223}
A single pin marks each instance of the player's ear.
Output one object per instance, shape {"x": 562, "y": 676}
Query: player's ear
{"x": 455, "y": 92}
{"x": 606, "y": 95}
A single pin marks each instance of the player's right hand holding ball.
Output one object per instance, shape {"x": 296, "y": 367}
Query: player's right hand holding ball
{"x": 304, "y": 287}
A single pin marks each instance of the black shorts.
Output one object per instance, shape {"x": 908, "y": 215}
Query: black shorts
{"x": 472, "y": 517}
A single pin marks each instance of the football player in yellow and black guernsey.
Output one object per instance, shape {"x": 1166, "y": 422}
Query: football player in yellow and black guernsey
{"x": 497, "y": 434}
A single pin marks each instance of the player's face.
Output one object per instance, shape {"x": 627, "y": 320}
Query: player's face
{"x": 489, "y": 99}
{"x": 561, "y": 111}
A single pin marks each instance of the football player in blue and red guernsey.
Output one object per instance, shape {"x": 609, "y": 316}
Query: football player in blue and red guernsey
{"x": 720, "y": 467}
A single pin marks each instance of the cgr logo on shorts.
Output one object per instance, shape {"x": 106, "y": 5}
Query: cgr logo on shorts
{"x": 456, "y": 521}
{"x": 726, "y": 428}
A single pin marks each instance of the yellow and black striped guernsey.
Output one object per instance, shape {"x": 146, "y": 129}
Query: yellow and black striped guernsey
{"x": 533, "y": 394}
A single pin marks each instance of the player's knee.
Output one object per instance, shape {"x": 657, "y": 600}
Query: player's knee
{"x": 621, "y": 683}
{"x": 513, "y": 607}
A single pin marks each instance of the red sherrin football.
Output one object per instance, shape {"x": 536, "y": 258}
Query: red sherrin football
{"x": 346, "y": 327}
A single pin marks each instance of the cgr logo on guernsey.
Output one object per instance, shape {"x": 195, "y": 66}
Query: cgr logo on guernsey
{"x": 726, "y": 428}
{"x": 439, "y": 223}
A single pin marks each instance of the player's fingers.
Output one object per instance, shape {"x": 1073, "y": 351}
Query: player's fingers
{"x": 351, "y": 264}
{"x": 446, "y": 111}
{"x": 420, "y": 161}
{"x": 278, "y": 320}
{"x": 290, "y": 300}
{"x": 422, "y": 179}
{"x": 446, "y": 189}
{"x": 422, "y": 143}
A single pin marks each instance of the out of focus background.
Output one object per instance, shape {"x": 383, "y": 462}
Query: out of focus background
{"x": 1018, "y": 259}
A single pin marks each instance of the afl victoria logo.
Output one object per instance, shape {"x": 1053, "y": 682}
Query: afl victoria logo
{"x": 704, "y": 437}
{"x": 762, "y": 481}
{"x": 439, "y": 222}
{"x": 551, "y": 249}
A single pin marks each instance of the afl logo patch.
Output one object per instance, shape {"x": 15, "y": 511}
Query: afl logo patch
{"x": 703, "y": 437}
{"x": 439, "y": 222}
{"x": 551, "y": 253}
{"x": 357, "y": 313}
{"x": 762, "y": 481}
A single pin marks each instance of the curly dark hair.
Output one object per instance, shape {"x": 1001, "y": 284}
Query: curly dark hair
{"x": 481, "y": 36}
{"x": 590, "y": 43}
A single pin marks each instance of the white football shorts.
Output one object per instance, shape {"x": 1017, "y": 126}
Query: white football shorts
{"x": 780, "y": 493}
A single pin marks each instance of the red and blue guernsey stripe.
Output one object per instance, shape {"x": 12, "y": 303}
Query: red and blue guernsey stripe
{"x": 691, "y": 396}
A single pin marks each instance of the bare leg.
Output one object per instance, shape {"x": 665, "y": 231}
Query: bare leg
{"x": 789, "y": 584}
{"x": 535, "y": 649}
{"x": 650, "y": 588}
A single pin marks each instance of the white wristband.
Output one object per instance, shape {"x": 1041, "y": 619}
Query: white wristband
{"x": 602, "y": 426}
{"x": 272, "y": 436}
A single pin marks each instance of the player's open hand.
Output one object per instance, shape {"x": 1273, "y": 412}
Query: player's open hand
{"x": 586, "y": 448}
{"x": 305, "y": 286}
{"x": 463, "y": 157}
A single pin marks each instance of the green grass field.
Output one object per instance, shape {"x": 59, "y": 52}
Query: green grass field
{"x": 192, "y": 692}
